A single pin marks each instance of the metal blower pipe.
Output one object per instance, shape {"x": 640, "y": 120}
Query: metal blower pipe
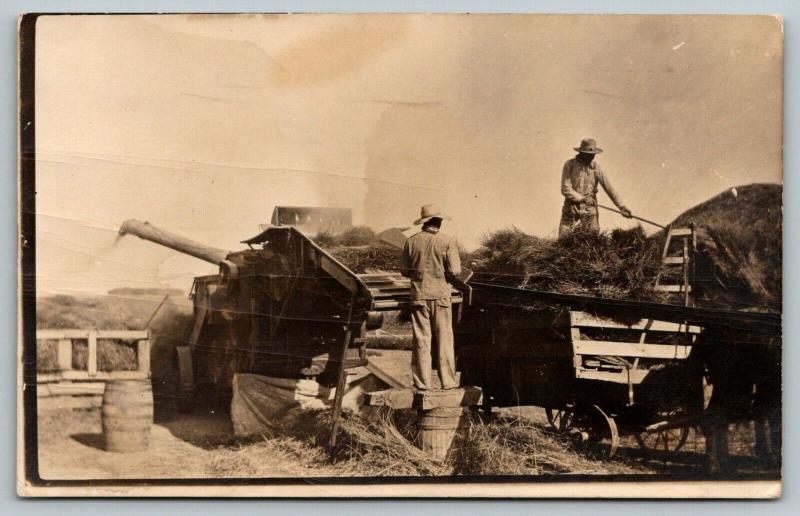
{"x": 146, "y": 231}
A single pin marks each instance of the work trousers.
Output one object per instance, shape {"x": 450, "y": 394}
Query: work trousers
{"x": 432, "y": 322}
{"x": 578, "y": 216}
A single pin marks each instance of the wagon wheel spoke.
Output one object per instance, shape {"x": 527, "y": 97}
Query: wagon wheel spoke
{"x": 560, "y": 420}
{"x": 668, "y": 440}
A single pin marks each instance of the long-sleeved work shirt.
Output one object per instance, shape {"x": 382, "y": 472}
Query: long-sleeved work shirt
{"x": 578, "y": 180}
{"x": 428, "y": 257}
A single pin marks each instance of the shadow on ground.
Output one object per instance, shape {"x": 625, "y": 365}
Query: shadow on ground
{"x": 92, "y": 440}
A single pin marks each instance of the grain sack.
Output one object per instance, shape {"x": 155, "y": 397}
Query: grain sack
{"x": 263, "y": 405}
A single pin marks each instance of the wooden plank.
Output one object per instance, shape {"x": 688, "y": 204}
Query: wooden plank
{"x": 672, "y": 288}
{"x": 91, "y": 362}
{"x": 680, "y": 231}
{"x": 61, "y": 334}
{"x": 398, "y": 281}
{"x": 84, "y": 334}
{"x": 384, "y": 294}
{"x": 388, "y": 305}
{"x": 686, "y": 271}
{"x": 393, "y": 303}
{"x": 576, "y": 336}
{"x": 64, "y": 354}
{"x": 583, "y": 319}
{"x": 673, "y": 260}
{"x": 468, "y": 396}
{"x": 392, "y": 398}
{"x": 637, "y": 376}
{"x": 70, "y": 389}
{"x": 631, "y": 349}
{"x": 384, "y": 376}
{"x": 389, "y": 288}
{"x": 406, "y": 398}
{"x": 339, "y": 272}
{"x": 371, "y": 275}
{"x": 143, "y": 356}
{"x": 84, "y": 376}
{"x": 123, "y": 334}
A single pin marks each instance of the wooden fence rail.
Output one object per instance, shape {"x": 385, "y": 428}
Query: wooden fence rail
{"x": 67, "y": 380}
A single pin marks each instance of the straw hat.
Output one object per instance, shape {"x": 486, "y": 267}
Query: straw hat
{"x": 428, "y": 212}
{"x": 588, "y": 146}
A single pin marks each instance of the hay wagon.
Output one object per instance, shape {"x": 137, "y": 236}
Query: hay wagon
{"x": 640, "y": 378}
{"x": 605, "y": 368}
{"x": 598, "y": 378}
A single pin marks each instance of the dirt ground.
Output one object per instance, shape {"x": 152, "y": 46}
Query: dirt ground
{"x": 202, "y": 445}
{"x": 188, "y": 446}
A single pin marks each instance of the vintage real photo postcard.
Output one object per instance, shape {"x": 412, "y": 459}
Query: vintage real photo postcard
{"x": 400, "y": 255}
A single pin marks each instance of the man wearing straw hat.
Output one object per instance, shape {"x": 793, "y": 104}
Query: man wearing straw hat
{"x": 429, "y": 259}
{"x": 579, "y": 183}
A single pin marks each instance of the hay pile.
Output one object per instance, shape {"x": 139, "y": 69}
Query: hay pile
{"x": 517, "y": 446}
{"x": 382, "y": 446}
{"x": 739, "y": 261}
{"x": 619, "y": 265}
{"x": 366, "y": 258}
{"x": 359, "y": 249}
{"x": 740, "y": 247}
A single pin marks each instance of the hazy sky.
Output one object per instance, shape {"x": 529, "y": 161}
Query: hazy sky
{"x": 201, "y": 124}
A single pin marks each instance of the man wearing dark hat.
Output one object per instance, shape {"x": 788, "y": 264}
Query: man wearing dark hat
{"x": 579, "y": 183}
{"x": 429, "y": 259}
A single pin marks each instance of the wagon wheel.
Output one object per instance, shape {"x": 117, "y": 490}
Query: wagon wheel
{"x": 669, "y": 440}
{"x": 601, "y": 434}
{"x": 560, "y": 420}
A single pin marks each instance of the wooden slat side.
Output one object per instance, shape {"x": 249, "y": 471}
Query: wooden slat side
{"x": 632, "y": 349}
{"x": 637, "y": 376}
{"x": 583, "y": 319}
{"x": 575, "y": 333}
{"x": 672, "y": 288}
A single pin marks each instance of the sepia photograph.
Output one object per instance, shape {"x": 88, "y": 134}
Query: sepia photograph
{"x": 400, "y": 255}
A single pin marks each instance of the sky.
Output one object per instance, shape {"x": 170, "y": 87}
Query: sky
{"x": 201, "y": 124}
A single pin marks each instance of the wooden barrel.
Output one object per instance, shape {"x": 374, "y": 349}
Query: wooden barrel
{"x": 439, "y": 428}
{"x": 127, "y": 415}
